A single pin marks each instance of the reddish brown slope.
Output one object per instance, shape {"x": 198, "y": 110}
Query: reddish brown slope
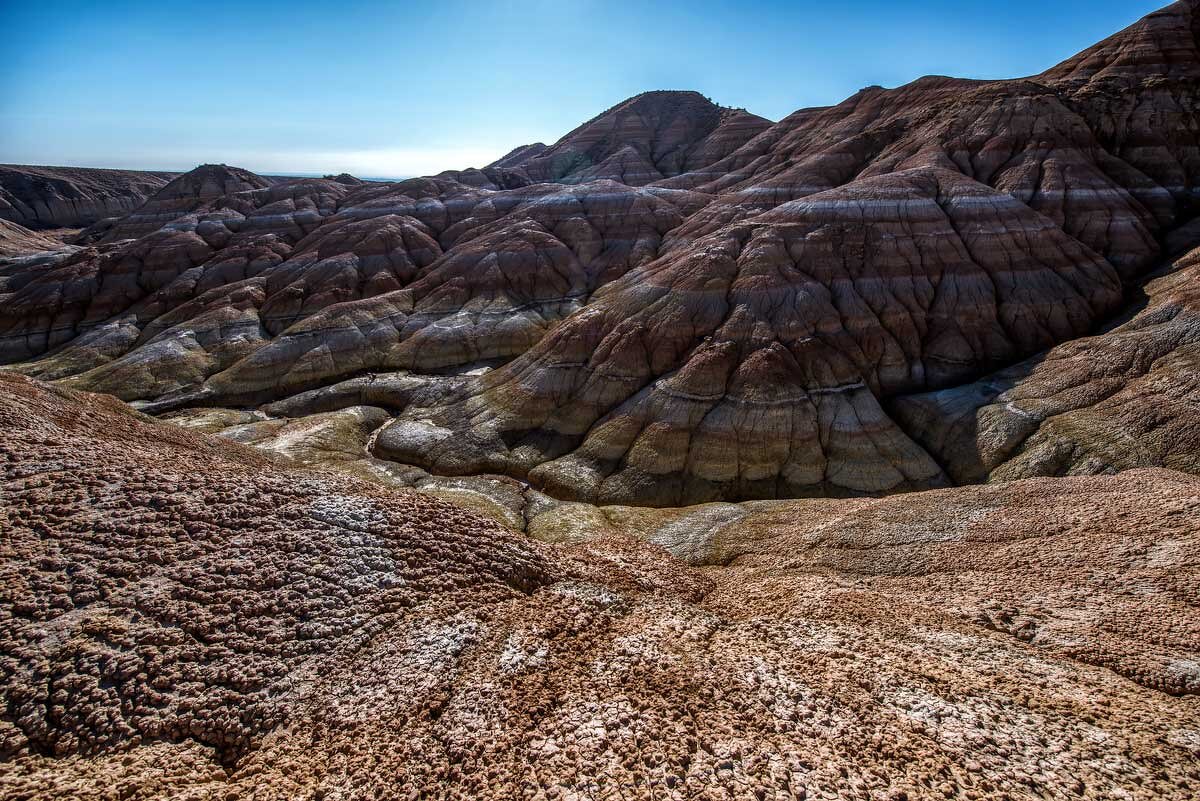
{"x": 1129, "y": 397}
{"x": 646, "y": 138}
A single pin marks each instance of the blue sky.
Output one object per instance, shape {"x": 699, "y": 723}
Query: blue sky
{"x": 404, "y": 88}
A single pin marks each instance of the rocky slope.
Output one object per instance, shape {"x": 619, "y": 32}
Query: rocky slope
{"x": 16, "y": 240}
{"x": 1129, "y": 397}
{"x": 72, "y": 197}
{"x": 678, "y": 303}
{"x": 185, "y": 617}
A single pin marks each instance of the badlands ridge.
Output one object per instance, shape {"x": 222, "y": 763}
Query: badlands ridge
{"x": 693, "y": 456}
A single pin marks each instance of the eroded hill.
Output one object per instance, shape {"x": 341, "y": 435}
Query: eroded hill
{"x": 679, "y": 303}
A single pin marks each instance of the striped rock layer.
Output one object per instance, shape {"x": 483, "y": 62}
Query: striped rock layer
{"x": 679, "y": 302}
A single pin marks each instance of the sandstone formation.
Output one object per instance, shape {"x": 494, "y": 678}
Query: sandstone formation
{"x": 185, "y": 617}
{"x": 679, "y": 303}
{"x": 72, "y": 197}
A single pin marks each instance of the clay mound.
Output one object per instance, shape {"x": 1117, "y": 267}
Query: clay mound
{"x": 185, "y": 617}
{"x": 184, "y": 194}
{"x": 242, "y": 291}
{"x": 72, "y": 197}
{"x": 1127, "y": 398}
{"x": 738, "y": 330}
{"x": 752, "y": 363}
{"x": 518, "y": 266}
{"x": 646, "y": 138}
{"x": 1104, "y": 144}
{"x": 1161, "y": 43}
{"x": 1020, "y": 137}
{"x": 107, "y": 293}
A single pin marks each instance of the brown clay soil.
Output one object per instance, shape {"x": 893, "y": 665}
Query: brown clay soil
{"x": 185, "y": 617}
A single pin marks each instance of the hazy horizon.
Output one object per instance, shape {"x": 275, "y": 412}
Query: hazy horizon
{"x": 386, "y": 92}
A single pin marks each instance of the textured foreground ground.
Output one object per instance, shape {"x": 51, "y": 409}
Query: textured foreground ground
{"x": 184, "y": 617}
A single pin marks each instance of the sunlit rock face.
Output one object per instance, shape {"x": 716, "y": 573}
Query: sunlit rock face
{"x": 676, "y": 302}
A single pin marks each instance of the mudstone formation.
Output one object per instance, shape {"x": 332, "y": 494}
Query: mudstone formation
{"x": 72, "y": 197}
{"x": 691, "y": 456}
{"x": 680, "y": 303}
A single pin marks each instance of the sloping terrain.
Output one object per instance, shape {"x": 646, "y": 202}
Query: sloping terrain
{"x": 646, "y": 138}
{"x": 505, "y": 483}
{"x": 1128, "y": 397}
{"x": 72, "y": 197}
{"x": 184, "y": 617}
{"x": 16, "y": 240}
{"x": 679, "y": 303}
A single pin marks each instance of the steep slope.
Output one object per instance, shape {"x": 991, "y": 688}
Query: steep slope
{"x": 518, "y": 155}
{"x": 750, "y": 366}
{"x": 554, "y": 414}
{"x": 72, "y": 197}
{"x": 1129, "y": 397}
{"x": 185, "y": 617}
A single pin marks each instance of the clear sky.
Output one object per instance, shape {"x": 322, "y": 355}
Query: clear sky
{"x": 387, "y": 89}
